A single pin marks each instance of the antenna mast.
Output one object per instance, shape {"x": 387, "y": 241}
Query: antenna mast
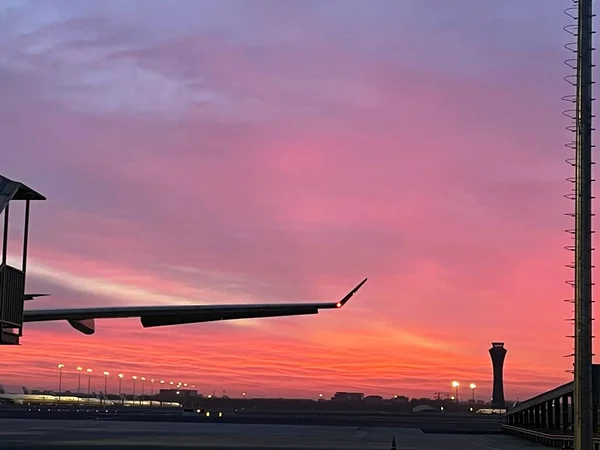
{"x": 581, "y": 115}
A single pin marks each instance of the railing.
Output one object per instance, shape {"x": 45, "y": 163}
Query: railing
{"x": 548, "y": 418}
{"x": 560, "y": 440}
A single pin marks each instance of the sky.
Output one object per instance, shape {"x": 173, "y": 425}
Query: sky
{"x": 229, "y": 151}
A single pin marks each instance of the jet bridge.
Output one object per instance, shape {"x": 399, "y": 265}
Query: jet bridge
{"x": 12, "y": 279}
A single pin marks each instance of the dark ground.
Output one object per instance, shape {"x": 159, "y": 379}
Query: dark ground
{"x": 40, "y": 434}
{"x": 135, "y": 429}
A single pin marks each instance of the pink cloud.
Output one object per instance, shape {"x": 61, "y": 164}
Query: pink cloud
{"x": 199, "y": 169}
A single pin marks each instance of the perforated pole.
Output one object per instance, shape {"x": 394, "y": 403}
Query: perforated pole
{"x": 582, "y": 420}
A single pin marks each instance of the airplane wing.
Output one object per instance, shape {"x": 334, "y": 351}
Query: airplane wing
{"x": 82, "y": 319}
{"x": 34, "y": 296}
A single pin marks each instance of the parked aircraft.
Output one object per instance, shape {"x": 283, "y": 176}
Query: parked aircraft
{"x": 68, "y": 398}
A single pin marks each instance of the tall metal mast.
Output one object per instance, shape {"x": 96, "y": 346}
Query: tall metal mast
{"x": 582, "y": 423}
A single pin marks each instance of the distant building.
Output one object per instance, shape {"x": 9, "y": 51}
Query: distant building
{"x": 373, "y": 399}
{"x": 400, "y": 399}
{"x": 348, "y": 397}
{"x": 177, "y": 395}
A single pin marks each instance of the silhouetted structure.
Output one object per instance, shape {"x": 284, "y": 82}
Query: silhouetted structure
{"x": 12, "y": 279}
{"x": 498, "y": 353}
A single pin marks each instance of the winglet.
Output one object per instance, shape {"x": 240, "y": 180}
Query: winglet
{"x": 34, "y": 296}
{"x": 343, "y": 301}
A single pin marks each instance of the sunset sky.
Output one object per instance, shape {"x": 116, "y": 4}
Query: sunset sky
{"x": 278, "y": 151}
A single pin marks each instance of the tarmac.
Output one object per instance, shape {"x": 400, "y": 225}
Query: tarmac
{"x": 428, "y": 422}
{"x": 66, "y": 434}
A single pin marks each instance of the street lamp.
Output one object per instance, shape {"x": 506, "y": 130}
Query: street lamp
{"x": 120, "y": 375}
{"x": 473, "y": 386}
{"x": 89, "y": 372}
{"x": 151, "y": 388}
{"x": 106, "y": 374}
{"x": 60, "y": 368}
{"x": 142, "y": 397}
{"x": 455, "y": 385}
{"x": 160, "y": 396}
{"x": 79, "y": 369}
{"x": 134, "y": 378}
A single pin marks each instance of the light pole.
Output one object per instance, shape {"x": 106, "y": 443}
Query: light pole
{"x": 106, "y": 374}
{"x": 134, "y": 378}
{"x": 455, "y": 385}
{"x": 120, "y": 391}
{"x": 60, "y": 368}
{"x": 152, "y": 387}
{"x": 473, "y": 386}
{"x": 79, "y": 369}
{"x": 142, "y": 396}
{"x": 160, "y": 394}
{"x": 89, "y": 372}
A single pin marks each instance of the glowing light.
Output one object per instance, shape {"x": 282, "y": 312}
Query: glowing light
{"x": 455, "y": 384}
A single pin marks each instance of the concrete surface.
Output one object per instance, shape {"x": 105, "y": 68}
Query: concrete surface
{"x": 429, "y": 423}
{"x": 39, "y": 434}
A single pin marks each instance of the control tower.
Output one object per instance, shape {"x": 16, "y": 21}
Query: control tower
{"x": 498, "y": 353}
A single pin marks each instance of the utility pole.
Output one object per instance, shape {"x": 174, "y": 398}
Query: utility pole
{"x": 582, "y": 420}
